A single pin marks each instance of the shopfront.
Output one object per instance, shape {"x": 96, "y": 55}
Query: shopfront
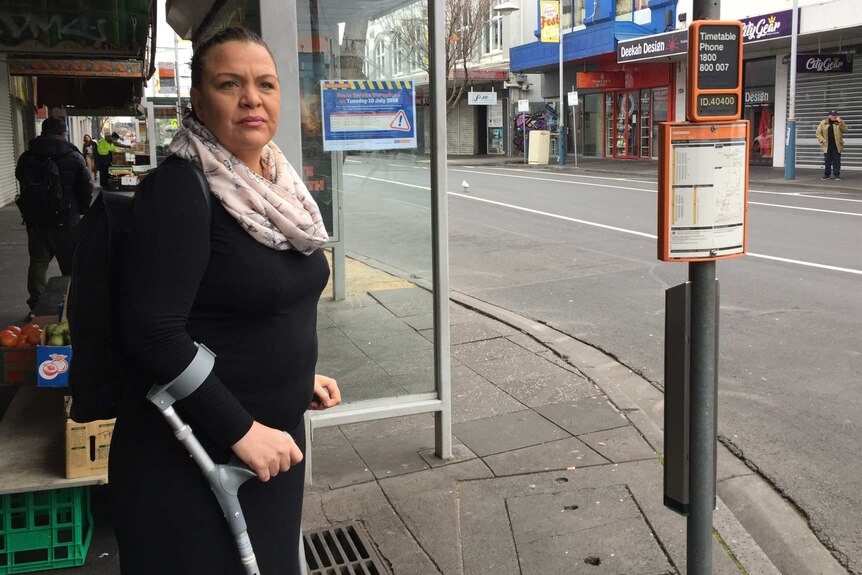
{"x": 828, "y": 81}
{"x": 759, "y": 108}
{"x": 632, "y": 114}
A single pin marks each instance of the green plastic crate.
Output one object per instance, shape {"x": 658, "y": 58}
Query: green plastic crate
{"x": 44, "y": 530}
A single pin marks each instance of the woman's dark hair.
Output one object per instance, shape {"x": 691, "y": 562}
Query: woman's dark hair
{"x": 232, "y": 34}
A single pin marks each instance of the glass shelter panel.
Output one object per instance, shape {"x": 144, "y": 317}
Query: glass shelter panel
{"x": 362, "y": 69}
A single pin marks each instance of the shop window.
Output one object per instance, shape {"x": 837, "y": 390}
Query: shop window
{"x": 759, "y": 108}
{"x": 492, "y": 37}
{"x": 573, "y": 14}
{"x": 624, "y": 9}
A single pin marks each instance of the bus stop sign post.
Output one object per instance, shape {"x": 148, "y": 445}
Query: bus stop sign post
{"x": 703, "y": 199}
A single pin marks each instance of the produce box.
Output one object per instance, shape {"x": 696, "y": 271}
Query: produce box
{"x": 44, "y": 530}
{"x": 87, "y": 445}
{"x": 52, "y": 361}
{"x": 17, "y": 365}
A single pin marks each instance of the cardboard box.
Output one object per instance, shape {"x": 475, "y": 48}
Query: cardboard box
{"x": 88, "y": 445}
{"x": 17, "y": 365}
{"x": 52, "y": 364}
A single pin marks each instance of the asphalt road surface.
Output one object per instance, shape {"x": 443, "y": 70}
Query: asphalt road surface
{"x": 579, "y": 252}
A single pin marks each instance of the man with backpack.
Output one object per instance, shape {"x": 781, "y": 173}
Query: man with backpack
{"x": 56, "y": 189}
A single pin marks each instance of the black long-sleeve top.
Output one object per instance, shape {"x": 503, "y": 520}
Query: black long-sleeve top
{"x": 192, "y": 278}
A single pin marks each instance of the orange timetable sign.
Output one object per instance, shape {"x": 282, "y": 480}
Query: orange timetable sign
{"x": 702, "y": 191}
{"x": 714, "y": 71}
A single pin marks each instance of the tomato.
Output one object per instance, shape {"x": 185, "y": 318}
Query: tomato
{"x": 31, "y": 327}
{"x": 14, "y": 329}
{"x": 33, "y": 337}
{"x": 8, "y": 338}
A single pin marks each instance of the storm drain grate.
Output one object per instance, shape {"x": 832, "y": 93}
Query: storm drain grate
{"x": 344, "y": 549}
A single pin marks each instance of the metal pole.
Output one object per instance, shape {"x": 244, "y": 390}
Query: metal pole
{"x": 702, "y": 432}
{"x": 561, "y": 138}
{"x": 440, "y": 232}
{"x": 704, "y": 322}
{"x": 790, "y": 146}
{"x": 575, "y": 130}
{"x": 177, "y": 78}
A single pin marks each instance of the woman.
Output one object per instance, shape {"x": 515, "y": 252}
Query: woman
{"x": 90, "y": 155}
{"x": 244, "y": 281}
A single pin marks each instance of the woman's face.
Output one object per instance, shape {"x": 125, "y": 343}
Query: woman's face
{"x": 239, "y": 98}
{"x": 86, "y": 138}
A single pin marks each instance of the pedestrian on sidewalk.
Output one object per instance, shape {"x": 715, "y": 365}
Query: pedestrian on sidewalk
{"x": 244, "y": 280}
{"x": 89, "y": 150}
{"x": 830, "y": 134}
{"x": 56, "y": 189}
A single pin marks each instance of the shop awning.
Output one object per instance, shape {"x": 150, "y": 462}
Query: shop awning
{"x": 54, "y": 91}
{"x": 579, "y": 45}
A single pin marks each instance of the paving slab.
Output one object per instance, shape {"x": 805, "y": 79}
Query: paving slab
{"x": 427, "y": 504}
{"x": 467, "y": 332}
{"x": 475, "y": 353}
{"x": 404, "y": 302}
{"x": 368, "y": 430}
{"x": 591, "y": 530}
{"x": 563, "y": 454}
{"x": 527, "y": 342}
{"x": 375, "y": 330}
{"x": 335, "y": 463}
{"x": 534, "y": 381}
{"x": 474, "y": 397}
{"x": 507, "y": 432}
{"x": 619, "y": 445}
{"x": 396, "y": 454}
{"x": 584, "y": 416}
{"x": 353, "y": 314}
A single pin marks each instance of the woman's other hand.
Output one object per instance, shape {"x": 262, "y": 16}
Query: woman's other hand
{"x": 326, "y": 393}
{"x": 267, "y": 451}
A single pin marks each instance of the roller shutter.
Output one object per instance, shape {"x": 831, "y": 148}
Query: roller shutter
{"x": 8, "y": 184}
{"x": 816, "y": 94}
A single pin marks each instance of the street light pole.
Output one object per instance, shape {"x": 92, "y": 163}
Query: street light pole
{"x": 561, "y": 138}
{"x": 790, "y": 148}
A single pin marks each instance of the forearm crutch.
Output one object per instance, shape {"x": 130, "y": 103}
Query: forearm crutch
{"x": 224, "y": 479}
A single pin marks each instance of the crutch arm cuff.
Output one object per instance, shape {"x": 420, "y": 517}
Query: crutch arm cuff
{"x": 183, "y": 385}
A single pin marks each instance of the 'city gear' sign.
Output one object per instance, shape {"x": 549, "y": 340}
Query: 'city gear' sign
{"x": 715, "y": 71}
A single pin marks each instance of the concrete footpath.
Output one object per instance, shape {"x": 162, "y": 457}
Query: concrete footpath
{"x": 557, "y": 466}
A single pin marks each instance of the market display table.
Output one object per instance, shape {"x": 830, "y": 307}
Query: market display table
{"x": 32, "y": 444}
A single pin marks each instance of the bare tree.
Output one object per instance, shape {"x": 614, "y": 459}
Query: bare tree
{"x": 466, "y": 23}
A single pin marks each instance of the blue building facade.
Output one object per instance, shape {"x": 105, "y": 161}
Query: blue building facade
{"x": 620, "y": 105}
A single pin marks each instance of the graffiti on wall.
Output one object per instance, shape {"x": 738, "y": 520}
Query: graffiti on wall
{"x": 64, "y": 31}
{"x": 547, "y": 119}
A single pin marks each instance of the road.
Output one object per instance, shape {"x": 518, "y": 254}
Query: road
{"x": 579, "y": 252}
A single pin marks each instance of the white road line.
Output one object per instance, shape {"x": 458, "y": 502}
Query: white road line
{"x": 553, "y": 180}
{"x": 612, "y": 228}
{"x": 387, "y": 181}
{"x": 555, "y": 216}
{"x": 750, "y": 191}
{"x": 809, "y": 264}
{"x": 651, "y": 191}
{"x": 805, "y": 209}
{"x": 529, "y": 171}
